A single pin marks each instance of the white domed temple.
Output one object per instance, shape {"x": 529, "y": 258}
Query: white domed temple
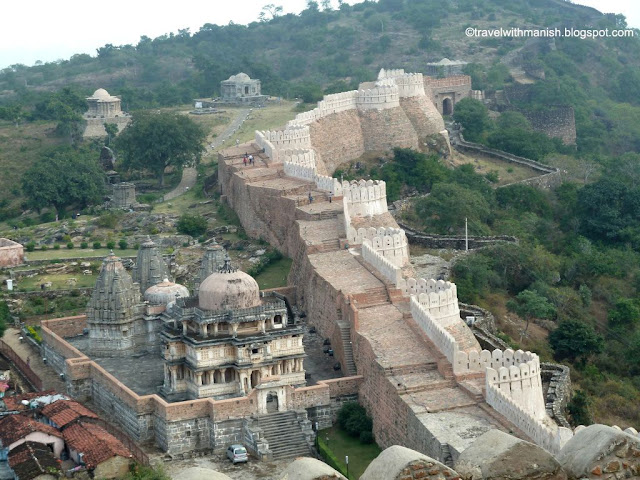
{"x": 228, "y": 340}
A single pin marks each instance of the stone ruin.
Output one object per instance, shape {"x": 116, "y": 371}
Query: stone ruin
{"x": 11, "y": 253}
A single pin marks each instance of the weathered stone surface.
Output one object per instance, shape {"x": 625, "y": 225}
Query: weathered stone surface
{"x": 498, "y": 455}
{"x": 199, "y": 473}
{"x": 11, "y": 253}
{"x": 400, "y": 463}
{"x": 598, "y": 450}
{"x": 305, "y": 468}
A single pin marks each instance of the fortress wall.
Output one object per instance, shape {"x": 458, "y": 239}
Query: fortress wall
{"x": 555, "y": 121}
{"x": 337, "y": 138}
{"x": 389, "y": 270}
{"x": 445, "y": 342}
{"x": 380, "y": 397}
{"x": 410, "y": 85}
{"x": 381, "y": 97}
{"x": 423, "y": 115}
{"x": 266, "y": 145}
{"x": 391, "y": 243}
{"x": 364, "y": 199}
{"x": 95, "y": 126}
{"x": 383, "y": 130}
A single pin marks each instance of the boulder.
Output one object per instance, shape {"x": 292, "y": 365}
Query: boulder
{"x": 400, "y": 463}
{"x": 498, "y": 455}
{"x": 599, "y": 451}
{"x": 305, "y": 468}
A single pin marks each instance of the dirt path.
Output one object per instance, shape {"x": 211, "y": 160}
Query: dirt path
{"x": 190, "y": 174}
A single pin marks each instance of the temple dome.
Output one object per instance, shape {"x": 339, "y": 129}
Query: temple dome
{"x": 101, "y": 94}
{"x": 165, "y": 292}
{"x": 240, "y": 77}
{"x": 228, "y": 291}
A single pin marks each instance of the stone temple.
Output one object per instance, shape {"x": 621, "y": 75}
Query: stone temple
{"x": 228, "y": 340}
{"x": 103, "y": 108}
{"x": 241, "y": 89}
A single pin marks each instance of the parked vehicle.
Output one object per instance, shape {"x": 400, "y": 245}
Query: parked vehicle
{"x": 237, "y": 454}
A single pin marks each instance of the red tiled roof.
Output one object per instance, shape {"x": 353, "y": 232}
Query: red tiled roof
{"x": 15, "y": 427}
{"x": 32, "y": 459}
{"x": 94, "y": 442}
{"x": 14, "y": 402}
{"x": 64, "y": 412}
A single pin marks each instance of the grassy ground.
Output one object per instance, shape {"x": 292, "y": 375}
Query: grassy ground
{"x": 19, "y": 147}
{"x": 77, "y": 253}
{"x": 275, "y": 275}
{"x": 507, "y": 172}
{"x": 341, "y": 444}
{"x": 61, "y": 281}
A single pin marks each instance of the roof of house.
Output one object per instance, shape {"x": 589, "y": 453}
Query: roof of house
{"x": 63, "y": 412}
{"x": 15, "y": 427}
{"x": 94, "y": 442}
{"x": 32, "y": 459}
{"x": 15, "y": 402}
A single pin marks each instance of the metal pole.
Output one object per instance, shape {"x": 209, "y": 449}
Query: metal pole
{"x": 466, "y": 235}
{"x": 346, "y": 458}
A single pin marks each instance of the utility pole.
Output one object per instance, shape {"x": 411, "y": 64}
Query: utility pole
{"x": 466, "y": 235}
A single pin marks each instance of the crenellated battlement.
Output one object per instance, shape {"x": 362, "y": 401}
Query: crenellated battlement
{"x": 390, "y": 243}
{"x": 292, "y": 138}
{"x": 305, "y": 158}
{"x": 365, "y": 198}
{"x": 378, "y": 98}
{"x": 390, "y": 73}
{"x": 386, "y": 267}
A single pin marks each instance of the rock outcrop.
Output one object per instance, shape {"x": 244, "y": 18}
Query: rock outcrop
{"x": 400, "y": 463}
{"x": 498, "y": 455}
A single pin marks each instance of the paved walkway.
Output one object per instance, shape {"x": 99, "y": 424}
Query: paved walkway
{"x": 190, "y": 174}
{"x": 50, "y": 379}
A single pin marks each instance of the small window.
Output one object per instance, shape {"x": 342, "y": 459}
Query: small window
{"x": 188, "y": 433}
{"x": 255, "y": 350}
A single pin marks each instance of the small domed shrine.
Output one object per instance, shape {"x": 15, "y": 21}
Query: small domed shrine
{"x": 230, "y": 339}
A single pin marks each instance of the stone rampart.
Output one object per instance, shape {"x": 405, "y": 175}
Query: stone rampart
{"x": 389, "y": 242}
{"x": 555, "y": 121}
{"x": 550, "y": 437}
{"x": 457, "y": 242}
{"x": 386, "y": 267}
{"x": 265, "y": 144}
{"x": 379, "y": 98}
{"x": 365, "y": 198}
{"x": 445, "y": 342}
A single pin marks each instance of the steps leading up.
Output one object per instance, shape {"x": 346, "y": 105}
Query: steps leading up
{"x": 345, "y": 334}
{"x": 284, "y": 435}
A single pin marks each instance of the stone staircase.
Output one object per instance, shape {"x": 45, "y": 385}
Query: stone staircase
{"x": 284, "y": 435}
{"x": 330, "y": 245}
{"x": 349, "y": 368}
{"x": 374, "y": 296}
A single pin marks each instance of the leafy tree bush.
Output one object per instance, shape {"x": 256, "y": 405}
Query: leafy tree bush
{"x": 97, "y": 245}
{"x": 84, "y": 245}
{"x": 109, "y": 220}
{"x": 474, "y": 118}
{"x": 353, "y": 419}
{"x": 31, "y": 246}
{"x": 155, "y": 141}
{"x": 111, "y": 245}
{"x": 575, "y": 340}
{"x": 123, "y": 244}
{"x": 56, "y": 246}
{"x": 578, "y": 409}
{"x": 5, "y": 317}
{"x": 70, "y": 245}
{"x": 192, "y": 225}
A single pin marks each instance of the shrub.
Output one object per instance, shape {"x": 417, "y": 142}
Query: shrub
{"x": 111, "y": 244}
{"x": 31, "y": 246}
{"x": 108, "y": 220}
{"x": 353, "y": 419}
{"x": 70, "y": 245}
{"x": 66, "y": 238}
{"x": 97, "y": 245}
{"x": 192, "y": 225}
{"x": 44, "y": 248}
{"x": 123, "y": 244}
{"x": 84, "y": 245}
{"x": 56, "y": 246}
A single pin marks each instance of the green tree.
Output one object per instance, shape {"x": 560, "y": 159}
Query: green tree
{"x": 575, "y": 340}
{"x": 112, "y": 131}
{"x": 192, "y": 225}
{"x": 473, "y": 116}
{"x": 65, "y": 177}
{"x": 625, "y": 314}
{"x": 5, "y": 317}
{"x": 530, "y": 304}
{"x": 155, "y": 141}
{"x": 512, "y": 119}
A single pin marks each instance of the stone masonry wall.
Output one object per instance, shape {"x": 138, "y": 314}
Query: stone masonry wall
{"x": 337, "y": 138}
{"x": 554, "y": 121}
{"x": 385, "y": 129}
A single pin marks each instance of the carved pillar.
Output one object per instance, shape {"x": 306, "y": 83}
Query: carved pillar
{"x": 284, "y": 321}
{"x": 234, "y": 327}
{"x": 205, "y": 330}
{"x": 184, "y": 328}
{"x": 215, "y": 329}
{"x": 174, "y": 377}
{"x": 199, "y": 379}
{"x": 262, "y": 325}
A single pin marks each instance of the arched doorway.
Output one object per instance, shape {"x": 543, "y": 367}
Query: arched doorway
{"x": 447, "y": 106}
{"x": 255, "y": 378}
{"x": 272, "y": 402}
